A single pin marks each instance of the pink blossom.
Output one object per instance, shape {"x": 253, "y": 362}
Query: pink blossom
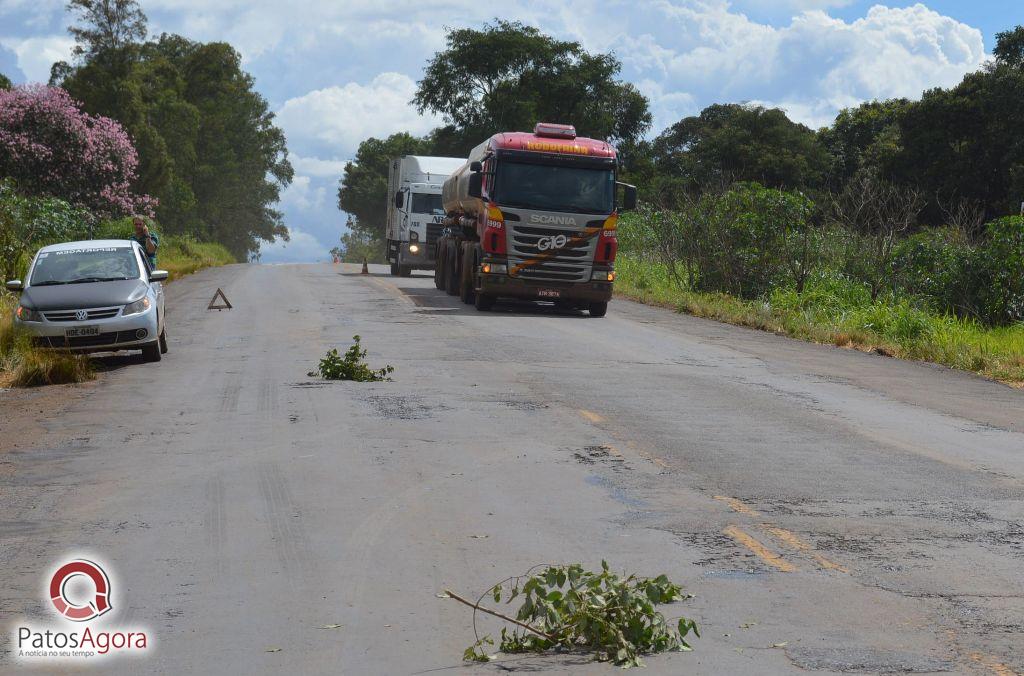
{"x": 51, "y": 147}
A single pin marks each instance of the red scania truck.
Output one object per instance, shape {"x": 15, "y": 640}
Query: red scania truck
{"x": 533, "y": 216}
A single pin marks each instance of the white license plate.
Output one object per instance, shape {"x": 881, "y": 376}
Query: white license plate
{"x": 80, "y": 331}
{"x": 549, "y": 293}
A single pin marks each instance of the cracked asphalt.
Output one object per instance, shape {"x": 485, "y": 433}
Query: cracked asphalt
{"x": 831, "y": 511}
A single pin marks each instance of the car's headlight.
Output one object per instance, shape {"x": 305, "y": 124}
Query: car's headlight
{"x": 139, "y": 306}
{"x": 27, "y": 314}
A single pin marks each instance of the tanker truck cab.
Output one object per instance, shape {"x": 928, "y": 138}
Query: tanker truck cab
{"x": 414, "y": 214}
{"x": 546, "y": 207}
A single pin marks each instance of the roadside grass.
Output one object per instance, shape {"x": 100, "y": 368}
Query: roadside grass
{"x": 21, "y": 365}
{"x": 836, "y": 311}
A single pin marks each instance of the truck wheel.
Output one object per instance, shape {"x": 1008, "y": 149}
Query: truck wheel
{"x": 483, "y": 301}
{"x": 451, "y": 284}
{"x": 599, "y": 309}
{"x": 404, "y": 271}
{"x": 439, "y": 265}
{"x": 466, "y": 291}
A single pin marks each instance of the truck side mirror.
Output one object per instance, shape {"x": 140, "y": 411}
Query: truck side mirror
{"x": 399, "y": 199}
{"x": 476, "y": 185}
{"x": 628, "y": 197}
{"x": 476, "y": 167}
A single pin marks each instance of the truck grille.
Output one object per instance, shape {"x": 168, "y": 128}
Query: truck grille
{"x": 570, "y": 263}
{"x": 69, "y": 315}
{"x": 433, "y": 232}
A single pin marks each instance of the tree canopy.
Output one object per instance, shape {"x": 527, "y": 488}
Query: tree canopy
{"x": 741, "y": 143}
{"x": 206, "y": 138}
{"x": 5, "y": 82}
{"x": 509, "y": 76}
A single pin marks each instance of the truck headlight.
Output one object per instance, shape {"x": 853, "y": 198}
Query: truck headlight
{"x": 494, "y": 268}
{"x": 603, "y": 276}
{"x": 414, "y": 248}
{"x": 27, "y": 314}
{"x": 138, "y": 307}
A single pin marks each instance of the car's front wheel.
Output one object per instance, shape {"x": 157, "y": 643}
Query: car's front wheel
{"x": 151, "y": 351}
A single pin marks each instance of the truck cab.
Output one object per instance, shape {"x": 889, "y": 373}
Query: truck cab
{"x": 415, "y": 216}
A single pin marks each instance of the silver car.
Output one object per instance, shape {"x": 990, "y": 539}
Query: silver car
{"x": 94, "y": 296}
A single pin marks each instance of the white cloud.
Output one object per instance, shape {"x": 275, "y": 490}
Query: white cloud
{"x": 339, "y": 118}
{"x": 302, "y": 248}
{"x": 37, "y": 54}
{"x": 315, "y": 166}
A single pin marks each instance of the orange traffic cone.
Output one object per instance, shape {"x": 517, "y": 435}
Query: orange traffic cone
{"x": 366, "y": 268}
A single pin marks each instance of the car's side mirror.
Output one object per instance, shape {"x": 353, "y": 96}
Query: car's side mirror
{"x": 476, "y": 185}
{"x": 628, "y": 197}
{"x": 399, "y": 199}
{"x": 158, "y": 276}
{"x": 476, "y": 167}
{"x": 15, "y": 285}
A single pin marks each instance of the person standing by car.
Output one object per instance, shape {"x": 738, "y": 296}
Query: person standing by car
{"x": 149, "y": 241}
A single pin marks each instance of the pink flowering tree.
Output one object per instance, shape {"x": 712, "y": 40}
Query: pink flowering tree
{"x": 49, "y": 146}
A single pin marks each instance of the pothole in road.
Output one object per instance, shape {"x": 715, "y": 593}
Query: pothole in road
{"x": 402, "y": 408}
{"x": 865, "y": 660}
{"x": 605, "y": 455}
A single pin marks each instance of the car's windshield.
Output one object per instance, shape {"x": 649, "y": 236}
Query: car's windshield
{"x": 76, "y": 266}
{"x": 554, "y": 188}
{"x": 422, "y": 203}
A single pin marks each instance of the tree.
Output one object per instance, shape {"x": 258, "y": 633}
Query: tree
{"x": 867, "y": 135}
{"x": 363, "y": 189}
{"x": 106, "y": 26}
{"x": 1009, "y": 49}
{"x": 509, "y": 76}
{"x": 355, "y": 247}
{"x": 50, "y": 147}
{"x": 5, "y": 82}
{"x": 742, "y": 143}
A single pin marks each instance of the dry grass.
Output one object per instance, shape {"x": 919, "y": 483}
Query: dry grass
{"x": 21, "y": 365}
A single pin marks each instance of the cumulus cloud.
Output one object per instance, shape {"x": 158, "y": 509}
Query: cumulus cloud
{"x": 37, "y": 54}
{"x": 302, "y": 248}
{"x": 315, "y": 166}
{"x": 339, "y": 117}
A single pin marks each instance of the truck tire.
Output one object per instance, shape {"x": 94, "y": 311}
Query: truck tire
{"x": 599, "y": 308}
{"x": 439, "y": 261}
{"x": 483, "y": 301}
{"x": 466, "y": 290}
{"x": 404, "y": 271}
{"x": 394, "y": 268}
{"x": 451, "y": 283}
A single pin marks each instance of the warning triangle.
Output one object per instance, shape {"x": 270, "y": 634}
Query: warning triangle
{"x": 213, "y": 302}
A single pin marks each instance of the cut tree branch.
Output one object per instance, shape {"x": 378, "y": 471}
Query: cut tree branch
{"x": 479, "y": 607}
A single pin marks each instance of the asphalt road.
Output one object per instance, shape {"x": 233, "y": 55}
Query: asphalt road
{"x": 831, "y": 511}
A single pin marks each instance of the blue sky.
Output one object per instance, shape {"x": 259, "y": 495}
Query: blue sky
{"x": 337, "y": 71}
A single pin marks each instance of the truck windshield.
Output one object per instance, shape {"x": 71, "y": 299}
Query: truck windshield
{"x": 75, "y": 266}
{"x": 422, "y": 203}
{"x": 551, "y": 188}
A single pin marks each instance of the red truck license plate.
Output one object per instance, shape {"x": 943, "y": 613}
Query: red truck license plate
{"x": 549, "y": 293}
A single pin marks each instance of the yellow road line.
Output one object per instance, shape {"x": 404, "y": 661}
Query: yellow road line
{"x": 647, "y": 456}
{"x": 795, "y": 542}
{"x": 738, "y": 505}
{"x": 997, "y": 668}
{"x": 591, "y": 416}
{"x": 762, "y": 552}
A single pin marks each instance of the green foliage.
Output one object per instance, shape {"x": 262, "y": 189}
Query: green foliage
{"x": 355, "y": 247}
{"x": 27, "y": 223}
{"x": 21, "y": 365}
{"x": 5, "y": 82}
{"x": 1003, "y": 256}
{"x": 1009, "y": 49}
{"x": 863, "y": 137}
{"x": 363, "y": 189}
{"x": 350, "y": 366}
{"x": 614, "y": 617}
{"x": 508, "y": 76}
{"x": 208, "y": 147}
{"x": 734, "y": 142}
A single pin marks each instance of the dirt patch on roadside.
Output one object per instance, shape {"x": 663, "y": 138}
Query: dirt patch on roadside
{"x": 23, "y": 412}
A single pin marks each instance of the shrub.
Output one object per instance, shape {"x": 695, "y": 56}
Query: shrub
{"x": 1003, "y": 257}
{"x": 350, "y": 366}
{"x": 26, "y": 223}
{"x": 940, "y": 266}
